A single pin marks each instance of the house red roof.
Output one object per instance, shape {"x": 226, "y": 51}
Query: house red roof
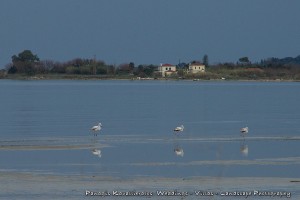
{"x": 166, "y": 65}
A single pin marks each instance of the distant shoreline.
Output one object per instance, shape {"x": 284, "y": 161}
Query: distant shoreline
{"x": 101, "y": 77}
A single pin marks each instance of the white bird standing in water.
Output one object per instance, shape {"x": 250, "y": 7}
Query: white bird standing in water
{"x": 96, "y": 128}
{"x": 244, "y": 131}
{"x": 179, "y": 128}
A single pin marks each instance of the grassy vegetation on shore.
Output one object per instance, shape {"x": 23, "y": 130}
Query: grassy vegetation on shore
{"x": 212, "y": 73}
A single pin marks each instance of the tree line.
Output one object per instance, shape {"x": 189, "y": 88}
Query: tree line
{"x": 29, "y": 64}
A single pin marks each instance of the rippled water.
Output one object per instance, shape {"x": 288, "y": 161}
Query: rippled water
{"x": 45, "y": 128}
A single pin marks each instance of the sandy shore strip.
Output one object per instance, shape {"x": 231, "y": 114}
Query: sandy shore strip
{"x": 30, "y": 185}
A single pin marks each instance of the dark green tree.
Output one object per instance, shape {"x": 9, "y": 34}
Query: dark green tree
{"x": 25, "y": 62}
{"x": 205, "y": 60}
{"x": 25, "y": 56}
{"x": 131, "y": 66}
{"x": 244, "y": 60}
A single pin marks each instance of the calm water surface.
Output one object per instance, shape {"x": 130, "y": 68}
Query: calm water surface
{"x": 45, "y": 128}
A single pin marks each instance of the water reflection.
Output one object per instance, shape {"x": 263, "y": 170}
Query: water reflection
{"x": 244, "y": 149}
{"x": 178, "y": 151}
{"x": 97, "y": 152}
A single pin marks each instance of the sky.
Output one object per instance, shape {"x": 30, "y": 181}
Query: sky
{"x": 150, "y": 31}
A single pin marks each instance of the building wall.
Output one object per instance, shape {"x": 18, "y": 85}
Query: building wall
{"x": 167, "y": 70}
{"x": 196, "y": 68}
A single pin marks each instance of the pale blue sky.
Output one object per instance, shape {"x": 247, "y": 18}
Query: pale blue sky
{"x": 150, "y": 31}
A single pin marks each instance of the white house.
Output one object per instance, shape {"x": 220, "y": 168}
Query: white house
{"x": 167, "y": 69}
{"x": 196, "y": 68}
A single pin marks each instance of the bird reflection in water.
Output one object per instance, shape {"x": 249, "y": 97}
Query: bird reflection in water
{"x": 97, "y": 152}
{"x": 244, "y": 149}
{"x": 178, "y": 151}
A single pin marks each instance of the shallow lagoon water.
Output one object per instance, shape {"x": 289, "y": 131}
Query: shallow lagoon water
{"x": 45, "y": 128}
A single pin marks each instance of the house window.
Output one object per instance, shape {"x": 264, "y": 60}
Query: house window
{"x": 166, "y": 69}
{"x": 195, "y": 67}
